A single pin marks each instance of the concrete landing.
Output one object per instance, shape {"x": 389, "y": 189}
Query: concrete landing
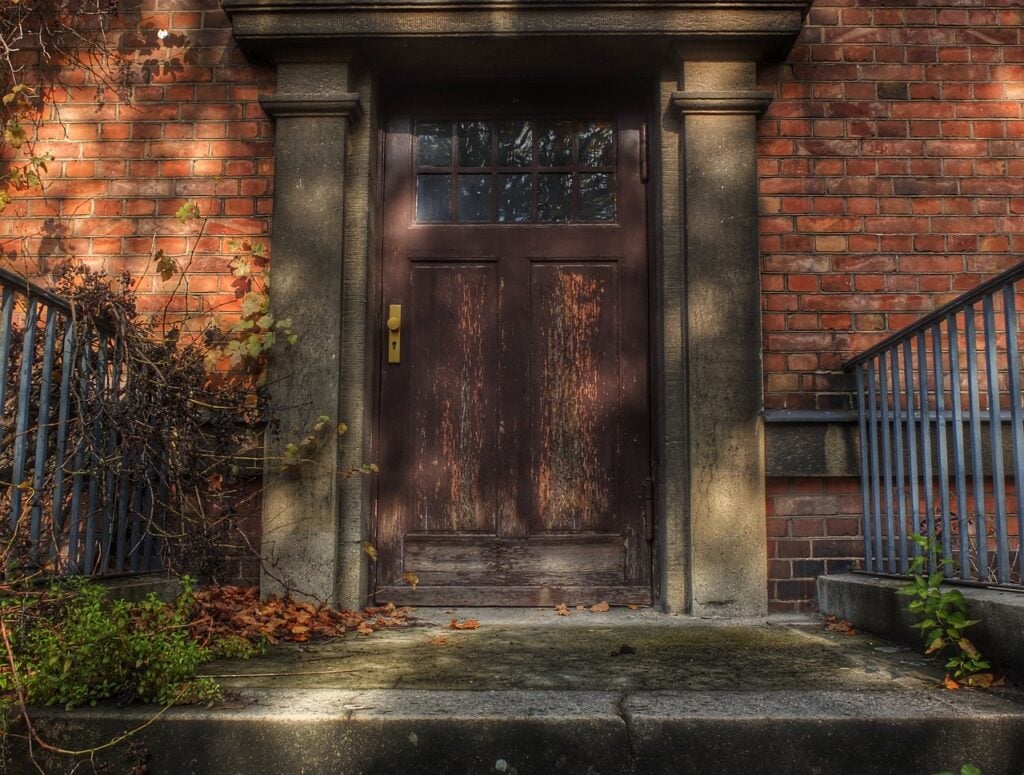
{"x": 595, "y": 694}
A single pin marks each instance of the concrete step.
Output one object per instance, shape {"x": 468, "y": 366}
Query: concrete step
{"x": 530, "y": 692}
{"x": 525, "y": 732}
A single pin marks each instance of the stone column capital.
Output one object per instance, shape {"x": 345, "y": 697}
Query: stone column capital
{"x": 718, "y": 103}
{"x": 344, "y": 104}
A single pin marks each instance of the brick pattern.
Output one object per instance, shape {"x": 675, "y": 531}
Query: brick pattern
{"x": 187, "y": 128}
{"x": 890, "y": 178}
{"x": 814, "y": 527}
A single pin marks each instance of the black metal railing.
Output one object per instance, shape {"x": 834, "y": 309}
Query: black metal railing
{"x": 77, "y": 499}
{"x": 942, "y": 438}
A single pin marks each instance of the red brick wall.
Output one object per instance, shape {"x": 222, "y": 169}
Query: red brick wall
{"x": 814, "y": 527}
{"x": 891, "y": 163}
{"x": 187, "y": 127}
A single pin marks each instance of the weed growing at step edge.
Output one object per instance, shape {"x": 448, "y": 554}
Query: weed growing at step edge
{"x": 72, "y": 645}
{"x": 942, "y": 614}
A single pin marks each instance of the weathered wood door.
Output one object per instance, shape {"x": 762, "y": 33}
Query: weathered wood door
{"x": 514, "y": 424}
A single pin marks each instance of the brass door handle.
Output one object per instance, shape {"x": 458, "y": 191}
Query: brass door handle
{"x": 394, "y": 324}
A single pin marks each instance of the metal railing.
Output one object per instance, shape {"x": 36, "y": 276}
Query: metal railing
{"x": 76, "y": 502}
{"x": 942, "y": 438}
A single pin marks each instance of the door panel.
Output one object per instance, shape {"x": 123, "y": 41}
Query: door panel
{"x": 454, "y": 402}
{"x": 574, "y": 356}
{"x": 513, "y": 432}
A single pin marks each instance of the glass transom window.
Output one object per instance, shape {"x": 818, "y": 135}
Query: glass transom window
{"x": 515, "y": 171}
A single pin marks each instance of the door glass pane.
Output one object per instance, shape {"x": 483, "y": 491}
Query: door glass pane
{"x": 597, "y": 198}
{"x": 554, "y": 198}
{"x": 433, "y": 198}
{"x": 474, "y": 143}
{"x": 515, "y": 198}
{"x": 515, "y": 143}
{"x": 597, "y": 147}
{"x": 435, "y": 143}
{"x": 474, "y": 202}
{"x": 554, "y": 143}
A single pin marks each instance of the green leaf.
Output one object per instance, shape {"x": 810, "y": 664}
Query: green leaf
{"x": 936, "y": 578}
{"x": 970, "y": 769}
{"x": 187, "y": 212}
{"x": 253, "y": 303}
{"x": 253, "y": 346}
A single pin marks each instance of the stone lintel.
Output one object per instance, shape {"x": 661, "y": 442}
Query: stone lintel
{"x": 720, "y": 103}
{"x": 345, "y": 104}
{"x": 272, "y": 28}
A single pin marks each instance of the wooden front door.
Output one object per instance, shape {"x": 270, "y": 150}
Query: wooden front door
{"x": 514, "y": 415}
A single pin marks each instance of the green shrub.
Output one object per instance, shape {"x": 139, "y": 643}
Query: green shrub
{"x": 75, "y": 646}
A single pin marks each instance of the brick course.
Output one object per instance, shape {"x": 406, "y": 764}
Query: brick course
{"x": 890, "y": 177}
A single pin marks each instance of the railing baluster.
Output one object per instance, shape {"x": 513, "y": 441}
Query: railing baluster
{"x": 78, "y": 482}
{"x": 63, "y": 411}
{"x": 912, "y": 441}
{"x": 97, "y": 466}
{"x": 890, "y": 526}
{"x": 21, "y": 429}
{"x": 136, "y": 541}
{"x": 865, "y": 472}
{"x": 995, "y": 429}
{"x": 959, "y": 462}
{"x": 897, "y": 426}
{"x": 42, "y": 428}
{"x": 6, "y": 316}
{"x": 974, "y": 416}
{"x": 110, "y": 506}
{"x": 1016, "y": 413}
{"x": 943, "y": 450}
{"x": 876, "y": 495}
{"x": 926, "y": 442}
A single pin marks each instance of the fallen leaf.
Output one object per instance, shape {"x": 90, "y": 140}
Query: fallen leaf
{"x": 562, "y": 609}
{"x": 984, "y": 680}
{"x": 469, "y": 624}
{"x": 364, "y": 629}
{"x": 633, "y": 606}
{"x": 411, "y": 579}
{"x": 600, "y": 608}
{"x": 371, "y": 551}
{"x": 438, "y": 640}
{"x": 299, "y": 629}
{"x": 581, "y": 608}
{"x": 951, "y": 683}
{"x": 835, "y": 624}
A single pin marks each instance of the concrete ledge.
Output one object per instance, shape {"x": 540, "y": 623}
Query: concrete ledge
{"x": 871, "y": 604}
{"x": 592, "y": 733}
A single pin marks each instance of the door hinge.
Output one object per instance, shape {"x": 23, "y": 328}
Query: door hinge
{"x": 644, "y": 171}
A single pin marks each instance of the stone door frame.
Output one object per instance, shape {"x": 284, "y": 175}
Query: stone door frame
{"x": 701, "y": 60}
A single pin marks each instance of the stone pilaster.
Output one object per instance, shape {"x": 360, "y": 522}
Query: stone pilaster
{"x": 718, "y": 108}
{"x": 313, "y": 109}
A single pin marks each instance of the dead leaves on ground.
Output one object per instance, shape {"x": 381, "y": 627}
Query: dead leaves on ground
{"x": 228, "y": 611}
{"x": 562, "y": 609}
{"x": 468, "y": 624}
{"x": 976, "y": 681}
{"x": 835, "y": 624}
